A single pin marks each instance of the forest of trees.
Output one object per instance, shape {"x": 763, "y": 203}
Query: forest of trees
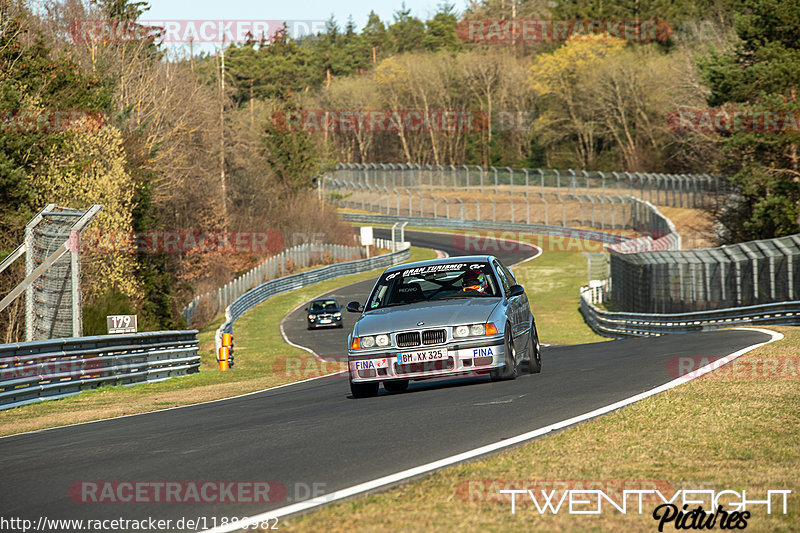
{"x": 186, "y": 144}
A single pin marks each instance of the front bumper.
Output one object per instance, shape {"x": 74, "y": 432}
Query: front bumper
{"x": 463, "y": 357}
{"x": 324, "y": 322}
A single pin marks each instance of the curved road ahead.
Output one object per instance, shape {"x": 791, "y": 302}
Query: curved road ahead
{"x": 313, "y": 435}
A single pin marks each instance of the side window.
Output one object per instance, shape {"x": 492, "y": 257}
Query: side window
{"x": 510, "y": 275}
{"x": 503, "y": 277}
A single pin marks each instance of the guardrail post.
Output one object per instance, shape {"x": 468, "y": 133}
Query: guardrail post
{"x": 560, "y": 199}
{"x": 527, "y": 209}
{"x": 541, "y": 195}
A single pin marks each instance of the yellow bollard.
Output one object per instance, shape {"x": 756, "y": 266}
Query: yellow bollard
{"x": 227, "y": 340}
{"x": 223, "y": 358}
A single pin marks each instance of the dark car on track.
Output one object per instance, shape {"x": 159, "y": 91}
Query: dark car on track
{"x": 324, "y": 312}
{"x": 440, "y": 318}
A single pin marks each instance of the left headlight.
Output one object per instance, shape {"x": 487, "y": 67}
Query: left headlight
{"x": 337, "y": 315}
{"x": 311, "y": 317}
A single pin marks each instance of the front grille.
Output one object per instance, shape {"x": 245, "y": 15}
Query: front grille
{"x": 404, "y": 340}
{"x": 434, "y": 336}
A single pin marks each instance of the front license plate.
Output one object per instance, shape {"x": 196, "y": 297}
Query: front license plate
{"x": 421, "y": 357}
{"x": 325, "y": 321}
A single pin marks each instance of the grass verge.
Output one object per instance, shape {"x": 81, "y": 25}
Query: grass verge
{"x": 737, "y": 428}
{"x": 257, "y": 348}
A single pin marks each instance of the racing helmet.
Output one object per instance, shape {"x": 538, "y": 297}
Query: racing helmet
{"x": 474, "y": 281}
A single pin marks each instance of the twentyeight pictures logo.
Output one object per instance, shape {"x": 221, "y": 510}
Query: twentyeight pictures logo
{"x": 186, "y": 31}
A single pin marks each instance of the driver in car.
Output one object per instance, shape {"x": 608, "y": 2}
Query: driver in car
{"x": 474, "y": 281}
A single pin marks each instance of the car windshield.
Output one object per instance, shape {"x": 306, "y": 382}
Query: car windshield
{"x": 324, "y": 305}
{"x": 434, "y": 282}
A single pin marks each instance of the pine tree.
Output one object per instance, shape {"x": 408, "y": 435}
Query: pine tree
{"x": 762, "y": 73}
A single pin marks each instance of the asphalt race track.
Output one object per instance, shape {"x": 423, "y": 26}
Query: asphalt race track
{"x": 313, "y": 434}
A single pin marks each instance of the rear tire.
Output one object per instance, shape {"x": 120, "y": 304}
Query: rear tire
{"x": 364, "y": 390}
{"x": 509, "y": 370}
{"x": 534, "y": 352}
{"x": 398, "y": 385}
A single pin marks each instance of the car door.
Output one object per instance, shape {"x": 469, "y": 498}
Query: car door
{"x": 514, "y": 303}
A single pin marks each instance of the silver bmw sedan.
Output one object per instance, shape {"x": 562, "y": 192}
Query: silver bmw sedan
{"x": 445, "y": 317}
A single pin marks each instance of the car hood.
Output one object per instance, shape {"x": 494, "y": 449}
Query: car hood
{"x": 433, "y": 314}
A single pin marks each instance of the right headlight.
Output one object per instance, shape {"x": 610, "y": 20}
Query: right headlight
{"x": 370, "y": 341}
{"x": 367, "y": 342}
{"x": 474, "y": 330}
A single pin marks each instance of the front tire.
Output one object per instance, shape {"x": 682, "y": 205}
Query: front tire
{"x": 509, "y": 370}
{"x": 534, "y": 352}
{"x": 364, "y": 390}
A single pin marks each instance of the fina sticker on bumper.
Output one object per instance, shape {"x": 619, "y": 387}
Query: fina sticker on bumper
{"x": 372, "y": 363}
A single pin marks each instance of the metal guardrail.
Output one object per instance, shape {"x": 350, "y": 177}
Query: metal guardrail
{"x": 270, "y": 288}
{"x": 55, "y": 368}
{"x": 620, "y": 324}
{"x": 678, "y": 190}
{"x": 302, "y": 255}
{"x": 455, "y": 223}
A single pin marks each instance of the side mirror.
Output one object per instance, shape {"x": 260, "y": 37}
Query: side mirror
{"x": 354, "y": 307}
{"x": 306, "y": 308}
{"x": 516, "y": 290}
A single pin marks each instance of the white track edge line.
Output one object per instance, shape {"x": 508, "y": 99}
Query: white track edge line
{"x": 447, "y": 461}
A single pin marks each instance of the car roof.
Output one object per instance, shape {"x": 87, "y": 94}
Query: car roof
{"x": 443, "y": 261}
{"x": 330, "y": 299}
